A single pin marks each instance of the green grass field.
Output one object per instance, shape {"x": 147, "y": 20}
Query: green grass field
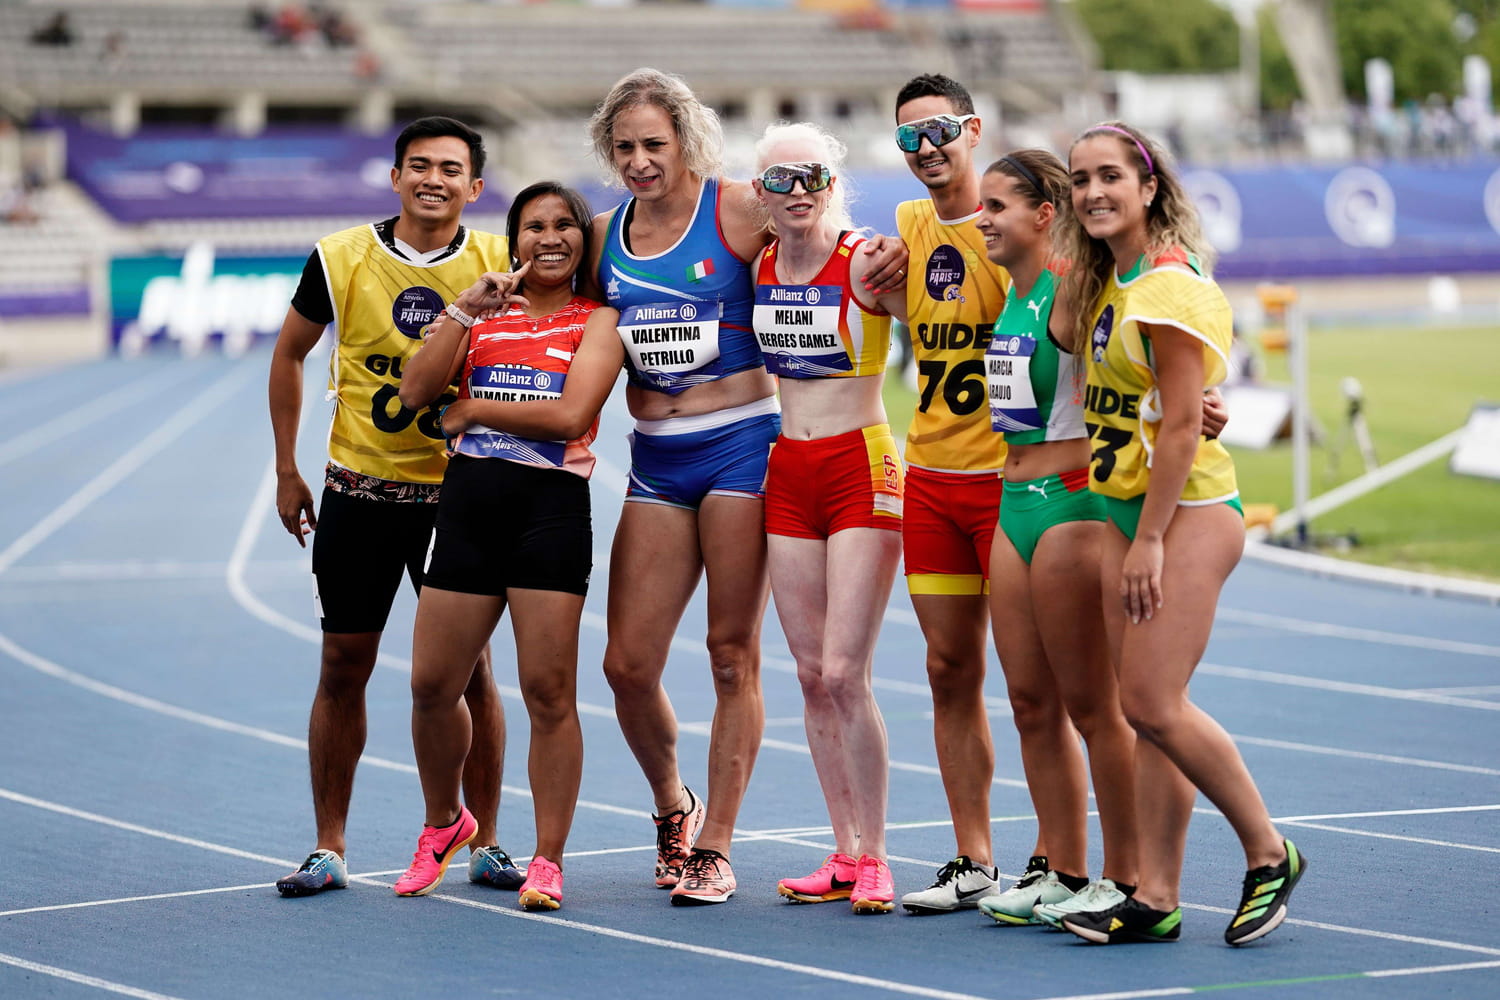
{"x": 1419, "y": 384}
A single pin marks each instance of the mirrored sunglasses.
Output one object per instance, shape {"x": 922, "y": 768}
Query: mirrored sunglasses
{"x": 938, "y": 130}
{"x": 779, "y": 178}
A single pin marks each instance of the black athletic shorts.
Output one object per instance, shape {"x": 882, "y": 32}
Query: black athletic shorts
{"x": 501, "y": 524}
{"x": 359, "y": 552}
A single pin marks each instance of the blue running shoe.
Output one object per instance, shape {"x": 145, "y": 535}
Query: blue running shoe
{"x": 492, "y": 866}
{"x": 322, "y": 870}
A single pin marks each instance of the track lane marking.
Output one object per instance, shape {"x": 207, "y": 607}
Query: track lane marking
{"x": 170, "y": 430}
{"x": 74, "y": 420}
{"x": 83, "y": 980}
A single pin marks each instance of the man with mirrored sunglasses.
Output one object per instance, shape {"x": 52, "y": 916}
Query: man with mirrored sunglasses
{"x": 954, "y": 460}
{"x": 938, "y": 130}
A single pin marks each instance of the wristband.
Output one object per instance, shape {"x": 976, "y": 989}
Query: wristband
{"x": 462, "y": 318}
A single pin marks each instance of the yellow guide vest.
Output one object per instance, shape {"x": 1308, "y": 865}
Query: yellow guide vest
{"x": 382, "y": 303}
{"x": 953, "y": 297}
{"x": 1122, "y": 405}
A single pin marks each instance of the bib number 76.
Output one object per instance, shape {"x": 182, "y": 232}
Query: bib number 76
{"x": 963, "y": 385}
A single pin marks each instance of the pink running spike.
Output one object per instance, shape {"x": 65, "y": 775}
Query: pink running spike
{"x": 435, "y": 849}
{"x": 874, "y": 889}
{"x": 834, "y": 880}
{"x": 543, "y": 887}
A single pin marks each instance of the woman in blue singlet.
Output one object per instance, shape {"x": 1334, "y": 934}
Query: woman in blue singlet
{"x": 675, "y": 259}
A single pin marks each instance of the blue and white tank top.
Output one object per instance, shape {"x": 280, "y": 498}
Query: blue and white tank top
{"x": 685, "y": 313}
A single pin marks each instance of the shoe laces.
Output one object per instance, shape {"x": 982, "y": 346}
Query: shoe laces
{"x": 669, "y": 833}
{"x": 1030, "y": 878}
{"x": 868, "y": 880}
{"x": 702, "y": 863}
{"x": 1095, "y": 893}
{"x": 543, "y": 872}
{"x": 951, "y": 871}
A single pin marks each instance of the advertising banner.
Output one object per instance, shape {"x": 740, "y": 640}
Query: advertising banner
{"x": 199, "y": 299}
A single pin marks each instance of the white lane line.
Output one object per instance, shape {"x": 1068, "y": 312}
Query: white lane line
{"x": 1284, "y": 624}
{"x": 902, "y": 616}
{"x": 107, "y": 985}
{"x": 1483, "y": 689}
{"x": 153, "y": 897}
{"x": 1170, "y": 991}
{"x": 1427, "y": 970}
{"x": 27, "y": 800}
{"x": 818, "y": 972}
{"x": 1429, "y": 584}
{"x": 1344, "y": 687}
{"x": 1384, "y": 813}
{"x": 144, "y": 569}
{"x": 1177, "y": 991}
{"x": 1477, "y": 949}
{"x": 73, "y": 420}
{"x": 47, "y": 667}
{"x": 1383, "y": 758}
{"x": 822, "y": 846}
{"x": 30, "y": 373}
{"x": 1350, "y": 831}
{"x": 170, "y": 430}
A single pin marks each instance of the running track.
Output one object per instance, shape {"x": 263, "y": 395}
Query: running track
{"x": 157, "y": 658}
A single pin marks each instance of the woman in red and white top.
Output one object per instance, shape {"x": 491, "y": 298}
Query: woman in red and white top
{"x": 513, "y": 526}
{"x": 833, "y": 493}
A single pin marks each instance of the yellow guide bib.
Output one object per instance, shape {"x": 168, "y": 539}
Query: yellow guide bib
{"x": 382, "y": 303}
{"x": 1121, "y": 404}
{"x": 953, "y": 297}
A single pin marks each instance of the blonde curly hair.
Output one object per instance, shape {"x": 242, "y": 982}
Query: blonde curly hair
{"x": 697, "y": 125}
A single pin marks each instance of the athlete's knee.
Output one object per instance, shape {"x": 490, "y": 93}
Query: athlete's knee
{"x": 847, "y": 684}
{"x": 734, "y": 661}
{"x": 433, "y": 688}
{"x": 630, "y": 676}
{"x": 1151, "y": 714}
{"x": 954, "y": 676}
{"x": 1094, "y": 716}
{"x": 550, "y": 702}
{"x": 347, "y": 663}
{"x": 1036, "y": 710}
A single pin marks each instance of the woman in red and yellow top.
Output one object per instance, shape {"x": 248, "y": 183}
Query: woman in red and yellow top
{"x": 513, "y": 526}
{"x": 833, "y": 494}
{"x": 1156, "y": 334}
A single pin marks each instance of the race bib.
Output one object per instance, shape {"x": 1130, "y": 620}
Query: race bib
{"x": 1008, "y": 371}
{"x": 513, "y": 383}
{"x": 672, "y": 345}
{"x": 798, "y": 330}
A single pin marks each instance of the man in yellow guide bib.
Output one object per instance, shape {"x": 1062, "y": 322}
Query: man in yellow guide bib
{"x": 383, "y": 284}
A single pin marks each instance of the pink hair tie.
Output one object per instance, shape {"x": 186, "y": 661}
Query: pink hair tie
{"x": 1150, "y": 167}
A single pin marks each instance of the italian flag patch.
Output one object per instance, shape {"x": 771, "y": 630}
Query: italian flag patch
{"x": 700, "y": 270}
